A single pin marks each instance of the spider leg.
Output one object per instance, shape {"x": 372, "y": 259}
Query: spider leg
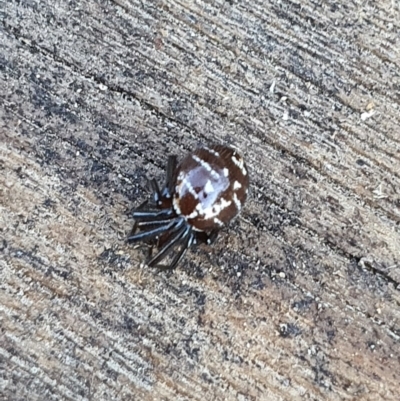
{"x": 152, "y": 215}
{"x": 185, "y": 246}
{"x": 152, "y": 223}
{"x": 212, "y": 237}
{"x": 142, "y": 205}
{"x": 169, "y": 181}
{"x": 183, "y": 234}
{"x": 206, "y": 238}
{"x": 134, "y": 229}
{"x": 155, "y": 232}
{"x": 156, "y": 191}
{"x": 135, "y": 226}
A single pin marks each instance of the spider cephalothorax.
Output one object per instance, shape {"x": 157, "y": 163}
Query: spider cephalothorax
{"x": 200, "y": 196}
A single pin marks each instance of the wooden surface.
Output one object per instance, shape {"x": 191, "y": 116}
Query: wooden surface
{"x": 299, "y": 299}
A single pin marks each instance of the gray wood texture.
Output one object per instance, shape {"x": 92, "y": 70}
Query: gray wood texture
{"x": 299, "y": 299}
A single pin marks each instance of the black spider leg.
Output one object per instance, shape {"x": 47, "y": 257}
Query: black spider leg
{"x": 168, "y": 188}
{"x": 135, "y": 225}
{"x": 183, "y": 236}
{"x": 152, "y": 215}
{"x": 175, "y": 236}
{"x": 206, "y": 237}
{"x": 211, "y": 237}
{"x": 145, "y": 217}
{"x": 185, "y": 246}
{"x": 156, "y": 191}
{"x": 172, "y": 224}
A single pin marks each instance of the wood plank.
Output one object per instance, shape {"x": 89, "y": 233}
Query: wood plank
{"x": 299, "y": 298}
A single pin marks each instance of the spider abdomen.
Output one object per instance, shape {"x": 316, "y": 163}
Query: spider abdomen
{"x": 211, "y": 187}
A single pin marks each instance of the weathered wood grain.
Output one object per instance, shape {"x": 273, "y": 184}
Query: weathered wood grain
{"x": 299, "y": 299}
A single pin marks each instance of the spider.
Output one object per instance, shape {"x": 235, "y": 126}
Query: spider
{"x": 201, "y": 195}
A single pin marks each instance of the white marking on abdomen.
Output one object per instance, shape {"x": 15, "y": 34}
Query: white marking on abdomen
{"x": 189, "y": 186}
{"x": 237, "y": 185}
{"x": 206, "y": 166}
{"x": 216, "y": 209}
{"x": 237, "y": 202}
{"x": 212, "y": 151}
{"x": 208, "y": 188}
{"x": 218, "y": 221}
{"x": 240, "y": 163}
{"x": 175, "y": 204}
{"x": 192, "y": 215}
